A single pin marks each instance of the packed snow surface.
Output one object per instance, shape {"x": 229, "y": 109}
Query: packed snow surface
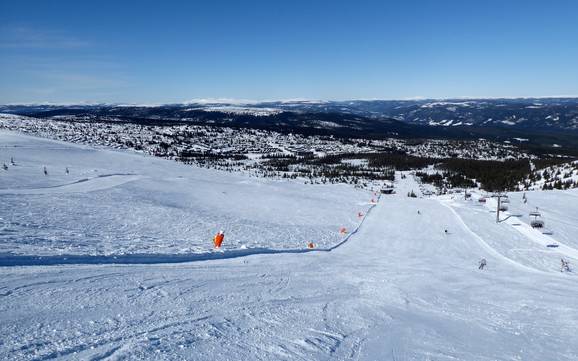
{"x": 113, "y": 203}
{"x": 401, "y": 288}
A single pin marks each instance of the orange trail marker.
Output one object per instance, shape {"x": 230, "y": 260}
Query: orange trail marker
{"x": 218, "y": 239}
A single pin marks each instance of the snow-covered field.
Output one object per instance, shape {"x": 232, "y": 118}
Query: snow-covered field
{"x": 114, "y": 203}
{"x": 398, "y": 289}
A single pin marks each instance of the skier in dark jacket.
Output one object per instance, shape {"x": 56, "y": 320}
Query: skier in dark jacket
{"x": 482, "y": 264}
{"x": 565, "y": 265}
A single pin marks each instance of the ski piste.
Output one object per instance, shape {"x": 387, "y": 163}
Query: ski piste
{"x": 396, "y": 286}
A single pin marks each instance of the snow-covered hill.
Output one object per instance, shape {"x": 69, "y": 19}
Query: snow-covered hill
{"x": 113, "y": 203}
{"x": 560, "y": 176}
{"x": 551, "y": 113}
{"x": 400, "y": 288}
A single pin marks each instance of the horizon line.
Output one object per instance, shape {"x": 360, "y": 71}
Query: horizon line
{"x": 238, "y": 101}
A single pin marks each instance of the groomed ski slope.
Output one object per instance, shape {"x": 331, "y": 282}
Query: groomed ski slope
{"x": 399, "y": 289}
{"x": 115, "y": 203}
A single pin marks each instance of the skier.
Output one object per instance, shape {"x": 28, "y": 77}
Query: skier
{"x": 12, "y": 161}
{"x": 418, "y": 212}
{"x": 67, "y": 171}
{"x": 445, "y": 231}
{"x": 45, "y": 171}
{"x": 565, "y": 266}
{"x": 5, "y": 166}
{"x": 218, "y": 239}
{"x": 482, "y": 263}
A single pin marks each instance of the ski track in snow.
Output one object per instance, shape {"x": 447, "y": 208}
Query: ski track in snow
{"x": 486, "y": 246}
{"x": 98, "y": 183}
{"x": 535, "y": 235}
{"x": 534, "y": 241}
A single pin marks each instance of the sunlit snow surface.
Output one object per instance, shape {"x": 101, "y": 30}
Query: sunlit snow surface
{"x": 118, "y": 203}
{"x": 399, "y": 289}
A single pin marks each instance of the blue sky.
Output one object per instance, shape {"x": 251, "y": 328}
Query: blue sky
{"x": 173, "y": 51}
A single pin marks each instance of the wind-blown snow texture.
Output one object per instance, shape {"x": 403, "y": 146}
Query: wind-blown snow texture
{"x": 399, "y": 289}
{"x": 115, "y": 203}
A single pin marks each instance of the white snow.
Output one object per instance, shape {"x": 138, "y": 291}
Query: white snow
{"x": 445, "y": 103}
{"x": 118, "y": 203}
{"x": 398, "y": 289}
{"x": 355, "y": 162}
{"x": 261, "y": 112}
{"x": 220, "y": 101}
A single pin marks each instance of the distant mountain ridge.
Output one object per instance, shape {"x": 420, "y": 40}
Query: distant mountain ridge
{"x": 529, "y": 113}
{"x": 548, "y": 122}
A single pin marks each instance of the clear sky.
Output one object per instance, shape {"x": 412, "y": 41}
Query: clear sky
{"x": 173, "y": 51}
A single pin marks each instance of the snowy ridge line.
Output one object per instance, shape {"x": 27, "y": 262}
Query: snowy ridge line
{"x": 28, "y": 260}
{"x": 489, "y": 248}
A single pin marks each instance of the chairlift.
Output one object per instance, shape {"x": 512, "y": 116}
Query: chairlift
{"x": 537, "y": 222}
{"x": 387, "y": 190}
{"x": 482, "y": 200}
{"x": 503, "y": 206}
